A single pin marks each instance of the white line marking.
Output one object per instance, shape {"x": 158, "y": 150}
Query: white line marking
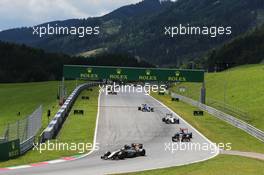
{"x": 187, "y": 123}
{"x": 19, "y": 167}
{"x": 96, "y": 127}
{"x": 198, "y": 161}
{"x": 61, "y": 160}
{"x": 56, "y": 161}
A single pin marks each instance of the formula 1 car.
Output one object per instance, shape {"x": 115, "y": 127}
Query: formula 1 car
{"x": 182, "y": 136}
{"x": 112, "y": 93}
{"x": 170, "y": 119}
{"x": 128, "y": 151}
{"x": 145, "y": 108}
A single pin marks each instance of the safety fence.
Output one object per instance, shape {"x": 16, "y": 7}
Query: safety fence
{"x": 56, "y": 123}
{"x": 232, "y": 110}
{"x": 24, "y": 131}
{"x": 223, "y": 116}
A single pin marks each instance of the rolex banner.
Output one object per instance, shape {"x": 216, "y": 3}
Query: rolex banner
{"x": 132, "y": 74}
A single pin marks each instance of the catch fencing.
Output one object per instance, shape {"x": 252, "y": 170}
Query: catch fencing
{"x": 25, "y": 130}
{"x": 223, "y": 116}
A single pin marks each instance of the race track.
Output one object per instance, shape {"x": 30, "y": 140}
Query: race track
{"x": 121, "y": 123}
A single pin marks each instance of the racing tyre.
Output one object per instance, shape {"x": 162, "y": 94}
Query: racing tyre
{"x": 121, "y": 155}
{"x": 143, "y": 152}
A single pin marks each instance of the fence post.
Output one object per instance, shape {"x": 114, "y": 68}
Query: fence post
{"x": 7, "y": 133}
{"x": 18, "y": 125}
{"x": 27, "y": 128}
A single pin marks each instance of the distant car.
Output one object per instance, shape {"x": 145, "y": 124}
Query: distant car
{"x": 170, "y": 119}
{"x": 112, "y": 93}
{"x": 128, "y": 151}
{"x": 183, "y": 136}
{"x": 145, "y": 108}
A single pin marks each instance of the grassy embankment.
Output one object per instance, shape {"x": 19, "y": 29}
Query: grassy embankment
{"x": 241, "y": 88}
{"x": 77, "y": 129}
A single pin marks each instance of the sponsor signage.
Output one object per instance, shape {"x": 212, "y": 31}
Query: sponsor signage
{"x": 131, "y": 74}
{"x": 9, "y": 150}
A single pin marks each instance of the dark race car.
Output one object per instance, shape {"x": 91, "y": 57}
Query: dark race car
{"x": 170, "y": 119}
{"x": 145, "y": 108}
{"x": 128, "y": 151}
{"x": 182, "y": 136}
{"x": 112, "y": 93}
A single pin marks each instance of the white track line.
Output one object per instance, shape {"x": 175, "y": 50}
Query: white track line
{"x": 216, "y": 148}
{"x": 96, "y": 127}
{"x": 56, "y": 161}
{"x": 95, "y": 138}
{"x": 198, "y": 161}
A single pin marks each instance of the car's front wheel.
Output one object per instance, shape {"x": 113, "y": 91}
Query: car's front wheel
{"x": 143, "y": 152}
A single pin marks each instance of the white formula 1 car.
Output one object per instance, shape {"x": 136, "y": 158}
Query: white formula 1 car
{"x": 170, "y": 119}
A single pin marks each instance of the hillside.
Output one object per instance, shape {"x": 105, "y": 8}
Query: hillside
{"x": 19, "y": 63}
{"x": 136, "y": 29}
{"x": 240, "y": 88}
{"x": 246, "y": 49}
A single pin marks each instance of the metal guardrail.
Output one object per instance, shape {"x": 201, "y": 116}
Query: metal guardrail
{"x": 56, "y": 123}
{"x": 234, "y": 111}
{"x": 27, "y": 145}
{"x": 223, "y": 116}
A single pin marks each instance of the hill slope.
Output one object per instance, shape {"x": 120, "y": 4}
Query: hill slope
{"x": 247, "y": 49}
{"x": 241, "y": 88}
{"x": 19, "y": 63}
{"x": 139, "y": 29}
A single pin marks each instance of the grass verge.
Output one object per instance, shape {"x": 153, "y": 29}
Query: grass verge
{"x": 223, "y": 164}
{"x": 240, "y": 88}
{"x": 214, "y": 129}
{"x": 77, "y": 129}
{"x": 26, "y": 97}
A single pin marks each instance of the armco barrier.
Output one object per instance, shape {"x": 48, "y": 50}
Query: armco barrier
{"x": 223, "y": 116}
{"x": 56, "y": 123}
{"x": 27, "y": 145}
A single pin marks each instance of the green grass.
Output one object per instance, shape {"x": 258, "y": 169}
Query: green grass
{"x": 223, "y": 164}
{"x": 76, "y": 129}
{"x": 214, "y": 129}
{"x": 26, "y": 97}
{"x": 79, "y": 128}
{"x": 244, "y": 90}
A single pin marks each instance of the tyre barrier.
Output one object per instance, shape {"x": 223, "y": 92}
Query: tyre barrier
{"x": 198, "y": 113}
{"x": 161, "y": 93}
{"x": 85, "y": 98}
{"x": 78, "y": 112}
{"x": 175, "y": 99}
{"x": 56, "y": 123}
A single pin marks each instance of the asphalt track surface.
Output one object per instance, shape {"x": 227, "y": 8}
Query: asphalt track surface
{"x": 121, "y": 123}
